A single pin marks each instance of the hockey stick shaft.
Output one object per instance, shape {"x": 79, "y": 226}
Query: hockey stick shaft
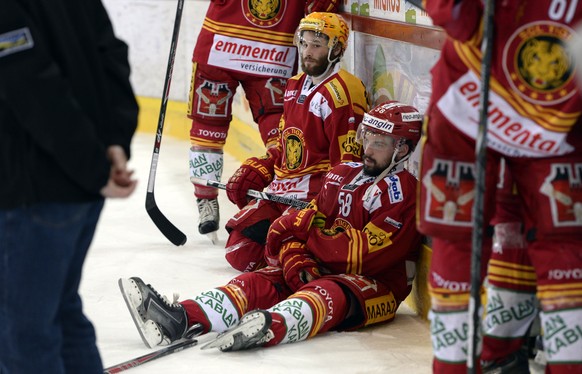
{"x": 170, "y": 231}
{"x": 477, "y": 213}
{"x": 126, "y": 365}
{"x": 252, "y": 193}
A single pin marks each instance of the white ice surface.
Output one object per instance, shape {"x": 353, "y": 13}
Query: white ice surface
{"x": 127, "y": 243}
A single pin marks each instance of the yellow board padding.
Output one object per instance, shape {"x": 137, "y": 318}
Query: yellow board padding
{"x": 244, "y": 141}
{"x": 419, "y": 299}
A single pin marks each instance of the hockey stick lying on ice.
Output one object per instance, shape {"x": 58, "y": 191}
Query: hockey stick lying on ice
{"x": 299, "y": 204}
{"x": 126, "y": 365}
{"x": 187, "y": 343}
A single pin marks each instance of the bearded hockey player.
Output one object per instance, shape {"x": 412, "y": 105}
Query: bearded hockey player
{"x": 346, "y": 262}
{"x": 246, "y": 43}
{"x": 322, "y": 109}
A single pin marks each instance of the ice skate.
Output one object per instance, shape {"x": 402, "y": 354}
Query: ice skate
{"x": 158, "y": 321}
{"x": 515, "y": 363}
{"x": 253, "y": 330}
{"x": 209, "y": 215}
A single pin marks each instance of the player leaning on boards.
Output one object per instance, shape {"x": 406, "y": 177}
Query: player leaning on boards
{"x": 534, "y": 123}
{"x": 346, "y": 262}
{"x": 323, "y": 106}
{"x": 246, "y": 43}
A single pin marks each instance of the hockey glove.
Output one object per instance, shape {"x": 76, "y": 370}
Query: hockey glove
{"x": 293, "y": 224}
{"x": 254, "y": 174}
{"x": 321, "y": 6}
{"x": 299, "y": 266}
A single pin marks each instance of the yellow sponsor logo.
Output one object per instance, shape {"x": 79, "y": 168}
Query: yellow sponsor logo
{"x": 380, "y": 309}
{"x": 377, "y": 238}
{"x": 338, "y": 93}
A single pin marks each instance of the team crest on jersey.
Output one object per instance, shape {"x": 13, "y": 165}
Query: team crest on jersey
{"x": 276, "y": 87}
{"x": 213, "y": 99}
{"x": 340, "y": 225}
{"x": 294, "y": 143}
{"x": 263, "y": 13}
{"x": 537, "y": 63}
{"x": 450, "y": 190}
{"x": 564, "y": 189}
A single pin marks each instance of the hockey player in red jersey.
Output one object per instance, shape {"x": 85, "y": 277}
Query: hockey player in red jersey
{"x": 322, "y": 108}
{"x": 247, "y": 43}
{"x": 534, "y": 123}
{"x": 346, "y": 262}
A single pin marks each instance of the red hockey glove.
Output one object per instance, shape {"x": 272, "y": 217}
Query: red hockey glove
{"x": 293, "y": 224}
{"x": 321, "y": 6}
{"x": 299, "y": 267}
{"x": 254, "y": 174}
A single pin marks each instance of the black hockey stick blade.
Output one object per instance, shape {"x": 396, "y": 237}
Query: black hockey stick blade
{"x": 126, "y": 365}
{"x": 167, "y": 228}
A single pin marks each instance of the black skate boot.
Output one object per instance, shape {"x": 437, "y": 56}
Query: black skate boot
{"x": 209, "y": 215}
{"x": 252, "y": 331}
{"x": 158, "y": 321}
{"x": 515, "y": 363}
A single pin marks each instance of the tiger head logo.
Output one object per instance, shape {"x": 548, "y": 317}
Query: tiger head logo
{"x": 544, "y": 63}
{"x": 537, "y": 64}
{"x": 264, "y": 9}
{"x": 293, "y": 152}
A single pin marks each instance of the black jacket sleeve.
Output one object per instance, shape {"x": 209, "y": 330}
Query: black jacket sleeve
{"x": 64, "y": 94}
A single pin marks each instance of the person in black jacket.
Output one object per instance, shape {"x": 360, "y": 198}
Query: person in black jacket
{"x": 67, "y": 116}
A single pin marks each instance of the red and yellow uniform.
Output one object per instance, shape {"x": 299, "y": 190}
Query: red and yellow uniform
{"x": 318, "y": 133}
{"x": 534, "y": 123}
{"x": 247, "y": 43}
{"x": 367, "y": 250}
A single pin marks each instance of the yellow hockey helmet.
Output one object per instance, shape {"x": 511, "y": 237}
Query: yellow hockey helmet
{"x": 331, "y": 25}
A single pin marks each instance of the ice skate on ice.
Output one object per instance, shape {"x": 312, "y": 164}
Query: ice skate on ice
{"x": 158, "y": 321}
{"x": 209, "y": 216}
{"x": 253, "y": 330}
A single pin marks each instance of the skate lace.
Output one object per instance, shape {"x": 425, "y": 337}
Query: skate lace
{"x": 208, "y": 210}
{"x": 170, "y": 304}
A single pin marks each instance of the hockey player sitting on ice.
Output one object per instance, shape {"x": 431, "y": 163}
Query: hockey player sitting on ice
{"x": 323, "y": 106}
{"x": 346, "y": 262}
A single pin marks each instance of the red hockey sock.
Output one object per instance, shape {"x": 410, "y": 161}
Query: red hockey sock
{"x": 279, "y": 329}
{"x": 195, "y": 315}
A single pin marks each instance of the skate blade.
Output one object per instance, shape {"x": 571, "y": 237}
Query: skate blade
{"x": 251, "y": 326}
{"x": 143, "y": 327}
{"x": 213, "y": 236}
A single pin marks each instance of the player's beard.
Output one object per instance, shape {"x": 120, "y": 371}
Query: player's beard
{"x": 373, "y": 169}
{"x": 317, "y": 66}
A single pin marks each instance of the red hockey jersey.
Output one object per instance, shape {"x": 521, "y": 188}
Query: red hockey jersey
{"x": 534, "y": 103}
{"x": 370, "y": 229}
{"x": 317, "y": 131}
{"x": 251, "y": 37}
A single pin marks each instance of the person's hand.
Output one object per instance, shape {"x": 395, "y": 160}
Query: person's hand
{"x": 293, "y": 224}
{"x": 120, "y": 183}
{"x": 299, "y": 266}
{"x": 254, "y": 174}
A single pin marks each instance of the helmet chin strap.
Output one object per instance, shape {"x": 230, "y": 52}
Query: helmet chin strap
{"x": 330, "y": 65}
{"x": 392, "y": 166}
